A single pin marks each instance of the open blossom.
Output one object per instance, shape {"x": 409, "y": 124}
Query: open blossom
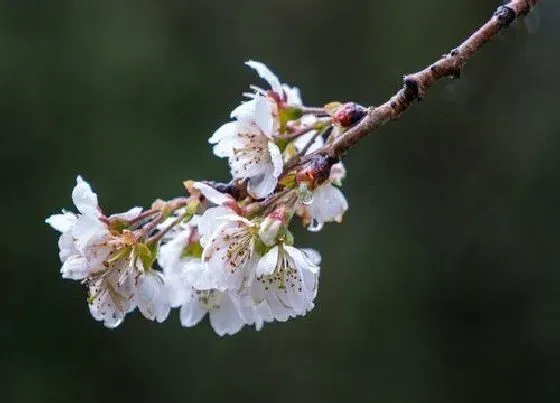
{"x": 181, "y": 262}
{"x": 287, "y": 283}
{"x": 249, "y": 140}
{"x": 229, "y": 248}
{"x": 104, "y": 258}
{"x": 248, "y": 143}
{"x": 226, "y": 251}
{"x": 86, "y": 240}
{"x": 327, "y": 202}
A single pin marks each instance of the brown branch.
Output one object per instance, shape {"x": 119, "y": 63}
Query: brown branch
{"x": 416, "y": 85}
{"x": 414, "y": 88}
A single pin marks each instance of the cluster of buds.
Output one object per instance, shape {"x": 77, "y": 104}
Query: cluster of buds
{"x": 222, "y": 250}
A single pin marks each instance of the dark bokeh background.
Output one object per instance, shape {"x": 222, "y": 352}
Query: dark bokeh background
{"x": 443, "y": 283}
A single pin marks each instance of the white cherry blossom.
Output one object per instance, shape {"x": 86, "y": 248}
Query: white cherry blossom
{"x": 226, "y": 256}
{"x": 111, "y": 293}
{"x": 229, "y": 254}
{"x": 104, "y": 258}
{"x": 286, "y": 284}
{"x": 248, "y": 143}
{"x": 228, "y": 240}
{"x": 327, "y": 202}
{"x": 181, "y": 267}
{"x": 86, "y": 240}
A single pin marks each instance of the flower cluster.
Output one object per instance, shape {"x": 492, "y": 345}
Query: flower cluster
{"x": 222, "y": 250}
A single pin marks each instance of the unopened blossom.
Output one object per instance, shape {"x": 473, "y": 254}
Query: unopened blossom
{"x": 271, "y": 227}
{"x": 327, "y": 202}
{"x": 286, "y": 283}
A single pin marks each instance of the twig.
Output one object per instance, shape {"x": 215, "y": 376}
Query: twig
{"x": 414, "y": 88}
{"x": 416, "y": 85}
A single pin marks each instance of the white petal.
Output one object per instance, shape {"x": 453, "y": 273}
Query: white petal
{"x": 261, "y": 186}
{"x": 179, "y": 282}
{"x": 75, "y": 268}
{"x": 226, "y": 130}
{"x": 313, "y": 255}
{"x": 263, "y": 117}
{"x": 268, "y": 262}
{"x": 212, "y": 194}
{"x": 226, "y": 138}
{"x": 226, "y": 147}
{"x": 210, "y": 221}
{"x": 151, "y": 297}
{"x": 113, "y": 298}
{"x": 62, "y": 222}
{"x": 192, "y": 312}
{"x": 263, "y": 313}
{"x": 329, "y": 204}
{"x": 170, "y": 253}
{"x": 128, "y": 215}
{"x": 66, "y": 246}
{"x": 276, "y": 158}
{"x": 301, "y": 260}
{"x": 245, "y": 112}
{"x": 293, "y": 95}
{"x": 301, "y": 142}
{"x": 226, "y": 318}
{"x": 264, "y": 72}
{"x": 87, "y": 229}
{"x": 84, "y": 198}
{"x": 338, "y": 172}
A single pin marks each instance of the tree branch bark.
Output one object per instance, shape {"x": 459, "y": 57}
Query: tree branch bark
{"x": 416, "y": 85}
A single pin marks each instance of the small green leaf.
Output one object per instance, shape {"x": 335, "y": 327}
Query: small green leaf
{"x": 289, "y": 238}
{"x": 261, "y": 247}
{"x": 145, "y": 254}
{"x": 194, "y": 249}
{"x": 289, "y": 180}
{"x": 282, "y": 143}
{"x": 287, "y": 114}
{"x": 118, "y": 225}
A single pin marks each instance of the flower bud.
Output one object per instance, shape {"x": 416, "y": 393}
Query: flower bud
{"x": 349, "y": 114}
{"x": 272, "y": 225}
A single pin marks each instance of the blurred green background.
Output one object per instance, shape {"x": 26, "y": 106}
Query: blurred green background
{"x": 443, "y": 282}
